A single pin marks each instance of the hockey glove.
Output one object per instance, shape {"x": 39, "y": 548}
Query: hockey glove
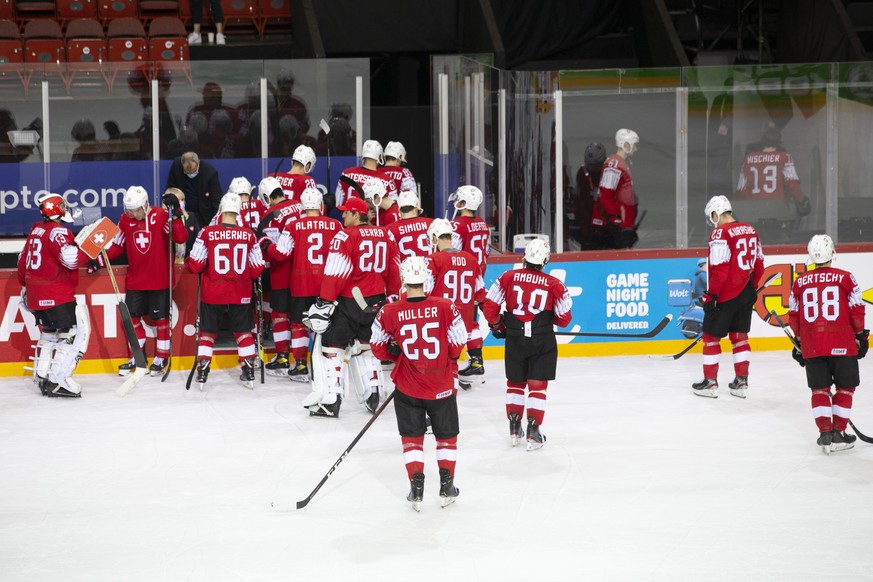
{"x": 317, "y": 318}
{"x": 498, "y": 328}
{"x": 863, "y": 339}
{"x": 797, "y": 354}
{"x": 24, "y": 300}
{"x": 264, "y": 243}
{"x": 170, "y": 201}
{"x": 709, "y": 302}
{"x": 394, "y": 349}
{"x": 804, "y": 207}
{"x": 95, "y": 265}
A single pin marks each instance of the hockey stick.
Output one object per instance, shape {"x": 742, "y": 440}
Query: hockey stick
{"x": 325, "y": 127}
{"x": 139, "y": 357}
{"x": 196, "y": 335}
{"x": 859, "y": 434}
{"x": 649, "y": 334}
{"x": 170, "y": 257}
{"x": 357, "y": 187}
{"x": 279, "y": 506}
{"x": 259, "y": 297}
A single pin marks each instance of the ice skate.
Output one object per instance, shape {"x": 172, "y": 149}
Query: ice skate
{"x": 373, "y": 401}
{"x": 67, "y": 389}
{"x": 841, "y": 441}
{"x": 328, "y": 410}
{"x": 738, "y": 386}
{"x": 464, "y": 385}
{"x": 158, "y": 366}
{"x": 824, "y": 441}
{"x": 279, "y": 365}
{"x": 247, "y": 377}
{"x": 448, "y": 491}
{"x": 474, "y": 372}
{"x": 203, "y": 367}
{"x": 535, "y": 439}
{"x": 416, "y": 490}
{"x": 42, "y": 383}
{"x": 708, "y": 388}
{"x": 300, "y": 371}
{"x": 126, "y": 368}
{"x": 515, "y": 431}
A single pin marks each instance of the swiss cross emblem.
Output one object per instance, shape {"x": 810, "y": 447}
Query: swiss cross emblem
{"x": 142, "y": 240}
{"x": 99, "y": 238}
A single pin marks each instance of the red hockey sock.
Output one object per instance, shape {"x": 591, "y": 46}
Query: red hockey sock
{"x": 711, "y": 355}
{"x": 205, "y": 345}
{"x": 821, "y": 409}
{"x": 162, "y": 345}
{"x": 446, "y": 453}
{"x": 741, "y": 352}
{"x": 140, "y": 330}
{"x": 536, "y": 400}
{"x": 413, "y": 454}
{"x": 515, "y": 398}
{"x": 842, "y": 407}
{"x": 281, "y": 333}
{"x": 245, "y": 345}
{"x": 299, "y": 341}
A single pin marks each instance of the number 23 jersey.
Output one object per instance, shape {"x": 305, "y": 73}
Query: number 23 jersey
{"x": 735, "y": 256}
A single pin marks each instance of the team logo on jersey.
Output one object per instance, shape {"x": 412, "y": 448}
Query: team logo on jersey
{"x": 839, "y": 351}
{"x": 142, "y": 240}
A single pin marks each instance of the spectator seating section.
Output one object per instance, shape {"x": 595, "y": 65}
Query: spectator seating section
{"x": 11, "y": 50}
{"x": 168, "y": 39}
{"x": 27, "y": 10}
{"x": 7, "y": 9}
{"x": 70, "y": 9}
{"x": 108, "y": 10}
{"x": 126, "y": 40}
{"x": 43, "y": 42}
{"x": 151, "y": 9}
{"x": 86, "y": 42}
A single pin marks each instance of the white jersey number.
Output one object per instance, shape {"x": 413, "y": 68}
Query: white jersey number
{"x": 460, "y": 286}
{"x": 420, "y": 241}
{"x": 226, "y": 258}
{"x": 769, "y": 175}
{"x": 747, "y": 253}
{"x": 374, "y": 256}
{"x": 34, "y": 255}
{"x": 313, "y": 253}
{"x": 826, "y": 306}
{"x": 410, "y": 336}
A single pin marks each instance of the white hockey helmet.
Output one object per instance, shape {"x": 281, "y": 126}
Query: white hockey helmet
{"x": 718, "y": 204}
{"x": 230, "y": 202}
{"x": 537, "y": 252}
{"x": 267, "y": 186}
{"x": 372, "y": 149}
{"x": 53, "y": 206}
{"x": 438, "y": 228}
{"x": 374, "y": 190}
{"x": 413, "y": 270}
{"x": 395, "y": 149}
{"x": 467, "y": 198}
{"x": 240, "y": 186}
{"x": 135, "y": 197}
{"x": 626, "y": 139}
{"x": 408, "y": 198}
{"x": 821, "y": 249}
{"x": 305, "y": 156}
{"x": 311, "y": 199}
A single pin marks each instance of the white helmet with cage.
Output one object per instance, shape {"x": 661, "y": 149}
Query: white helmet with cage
{"x": 413, "y": 270}
{"x": 135, "y": 197}
{"x": 438, "y": 228}
{"x": 230, "y": 202}
{"x": 267, "y": 186}
{"x": 537, "y": 252}
{"x": 373, "y": 149}
{"x": 395, "y": 149}
{"x": 305, "y": 155}
{"x": 718, "y": 204}
{"x": 626, "y": 139}
{"x": 374, "y": 190}
{"x": 821, "y": 249}
{"x": 467, "y": 198}
{"x": 240, "y": 186}
{"x": 311, "y": 199}
{"x": 408, "y": 198}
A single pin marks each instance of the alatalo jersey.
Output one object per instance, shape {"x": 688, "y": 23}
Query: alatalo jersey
{"x": 454, "y": 275}
{"x": 306, "y": 242}
{"x": 359, "y": 175}
{"x": 527, "y": 293}
{"x": 400, "y": 177}
{"x": 361, "y": 256}
{"x": 48, "y": 266}
{"x": 287, "y": 212}
{"x": 431, "y": 335}
{"x": 735, "y": 257}
{"x": 471, "y": 234}
{"x": 767, "y": 175}
{"x": 145, "y": 242}
{"x": 410, "y": 236}
{"x": 617, "y": 198}
{"x": 293, "y": 185}
{"x": 252, "y": 212}
{"x": 825, "y": 310}
{"x": 229, "y": 258}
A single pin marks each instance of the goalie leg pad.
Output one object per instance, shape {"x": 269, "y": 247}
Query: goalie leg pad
{"x": 366, "y": 376}
{"x": 328, "y": 367}
{"x": 42, "y": 355}
{"x": 70, "y": 349}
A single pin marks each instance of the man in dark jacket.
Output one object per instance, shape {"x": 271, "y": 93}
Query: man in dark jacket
{"x": 199, "y": 181}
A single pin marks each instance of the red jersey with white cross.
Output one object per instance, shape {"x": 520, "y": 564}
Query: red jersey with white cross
{"x": 767, "y": 175}
{"x": 288, "y": 212}
{"x": 735, "y": 257}
{"x": 293, "y": 185}
{"x": 306, "y": 243}
{"x": 825, "y": 310}
{"x": 229, "y": 259}
{"x": 431, "y": 335}
{"x": 361, "y": 256}
{"x": 527, "y": 293}
{"x": 471, "y": 234}
{"x": 410, "y": 236}
{"x": 48, "y": 266}
{"x": 454, "y": 275}
{"x": 145, "y": 242}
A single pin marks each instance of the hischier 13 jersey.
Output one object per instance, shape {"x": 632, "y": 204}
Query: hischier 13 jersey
{"x": 48, "y": 266}
{"x": 410, "y": 236}
{"x": 145, "y": 242}
{"x": 527, "y": 293}
{"x": 454, "y": 275}
{"x": 735, "y": 257}
{"x": 306, "y": 242}
{"x": 361, "y": 256}
{"x": 229, "y": 258}
{"x": 431, "y": 335}
{"x": 471, "y": 234}
{"x": 825, "y": 310}
{"x": 767, "y": 175}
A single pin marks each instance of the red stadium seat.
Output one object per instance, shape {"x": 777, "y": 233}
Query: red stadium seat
{"x": 11, "y": 50}
{"x": 127, "y": 40}
{"x": 110, "y": 9}
{"x": 85, "y": 41}
{"x": 274, "y": 13}
{"x": 241, "y": 16}
{"x": 27, "y": 9}
{"x": 151, "y": 9}
{"x": 168, "y": 39}
{"x": 70, "y": 9}
{"x": 7, "y": 9}
{"x": 43, "y": 42}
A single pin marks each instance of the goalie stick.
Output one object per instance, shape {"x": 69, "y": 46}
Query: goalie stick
{"x": 196, "y": 336}
{"x": 139, "y": 357}
{"x": 649, "y": 334}
{"x": 170, "y": 291}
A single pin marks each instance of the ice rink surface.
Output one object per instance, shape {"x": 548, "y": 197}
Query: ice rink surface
{"x": 639, "y": 480}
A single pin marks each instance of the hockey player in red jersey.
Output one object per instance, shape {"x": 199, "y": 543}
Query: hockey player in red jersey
{"x": 769, "y": 173}
{"x": 304, "y": 244}
{"x": 471, "y": 234}
{"x": 382, "y": 209}
{"x": 409, "y": 233}
{"x": 283, "y": 211}
{"x": 535, "y": 301}
{"x": 297, "y": 180}
{"x": 395, "y": 170}
{"x": 253, "y": 209}
{"x": 371, "y": 158}
{"x": 455, "y": 275}
{"x": 736, "y": 263}
{"x": 48, "y": 274}
{"x": 827, "y": 313}
{"x": 362, "y": 256}
{"x": 616, "y": 212}
{"x": 229, "y": 259}
{"x": 424, "y": 335}
{"x": 143, "y": 234}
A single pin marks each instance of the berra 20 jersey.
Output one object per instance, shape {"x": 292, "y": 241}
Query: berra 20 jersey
{"x": 145, "y": 242}
{"x": 229, "y": 258}
{"x": 293, "y": 185}
{"x": 306, "y": 242}
{"x": 287, "y": 211}
{"x": 401, "y": 177}
{"x": 766, "y": 175}
{"x": 527, "y": 293}
{"x": 359, "y": 175}
{"x": 454, "y": 275}
{"x": 48, "y": 266}
{"x": 735, "y": 257}
{"x": 431, "y": 335}
{"x": 825, "y": 310}
{"x": 410, "y": 236}
{"x": 471, "y": 234}
{"x": 361, "y": 256}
